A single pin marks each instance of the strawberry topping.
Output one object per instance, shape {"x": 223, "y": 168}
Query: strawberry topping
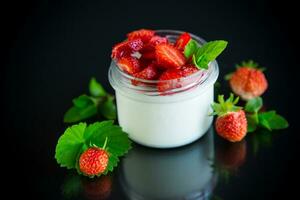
{"x": 168, "y": 56}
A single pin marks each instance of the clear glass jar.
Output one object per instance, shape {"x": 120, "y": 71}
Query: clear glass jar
{"x": 182, "y": 173}
{"x": 174, "y": 118}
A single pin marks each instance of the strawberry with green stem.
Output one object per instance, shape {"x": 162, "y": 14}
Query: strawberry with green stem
{"x": 231, "y": 123}
{"x": 94, "y": 160}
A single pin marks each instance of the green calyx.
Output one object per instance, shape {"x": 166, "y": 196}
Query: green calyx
{"x": 250, "y": 64}
{"x": 225, "y": 106}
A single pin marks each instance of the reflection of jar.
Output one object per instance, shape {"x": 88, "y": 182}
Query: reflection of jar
{"x": 182, "y": 173}
{"x": 175, "y": 118}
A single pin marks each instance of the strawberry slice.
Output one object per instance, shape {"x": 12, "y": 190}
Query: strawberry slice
{"x": 149, "y": 73}
{"x": 155, "y": 40}
{"x": 125, "y": 48}
{"x": 129, "y": 64}
{"x": 182, "y": 40}
{"x": 148, "y": 55}
{"x": 169, "y": 79}
{"x": 168, "y": 56}
{"x": 144, "y": 34}
{"x": 188, "y": 70}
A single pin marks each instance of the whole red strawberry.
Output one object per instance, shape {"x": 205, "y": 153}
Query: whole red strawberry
{"x": 93, "y": 161}
{"x": 248, "y": 81}
{"x": 231, "y": 123}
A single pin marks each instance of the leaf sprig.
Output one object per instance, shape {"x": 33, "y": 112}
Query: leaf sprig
{"x": 77, "y": 138}
{"x": 86, "y": 106}
{"x": 269, "y": 120}
{"x": 202, "y": 55}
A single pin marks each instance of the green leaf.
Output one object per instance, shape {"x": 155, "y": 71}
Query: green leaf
{"x": 82, "y": 101}
{"x": 75, "y": 114}
{"x": 69, "y": 145}
{"x": 96, "y": 88}
{"x": 108, "y": 108}
{"x": 252, "y": 122}
{"x": 118, "y": 143}
{"x": 78, "y": 138}
{"x": 190, "y": 48}
{"x": 272, "y": 121}
{"x": 264, "y": 119}
{"x": 92, "y": 128}
{"x": 254, "y": 105}
{"x": 208, "y": 52}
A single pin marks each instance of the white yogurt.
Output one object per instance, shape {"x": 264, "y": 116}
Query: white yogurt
{"x": 165, "y": 121}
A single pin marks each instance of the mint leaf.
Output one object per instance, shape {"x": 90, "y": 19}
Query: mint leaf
{"x": 82, "y": 101}
{"x": 108, "y": 108}
{"x": 96, "y": 88}
{"x": 78, "y": 138}
{"x": 252, "y": 122}
{"x": 254, "y": 105}
{"x": 75, "y": 114}
{"x": 208, "y": 52}
{"x": 272, "y": 121}
{"x": 264, "y": 119}
{"x": 190, "y": 48}
{"x": 69, "y": 145}
{"x": 278, "y": 122}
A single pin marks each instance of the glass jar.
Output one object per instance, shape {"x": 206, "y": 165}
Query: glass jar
{"x": 182, "y": 173}
{"x": 167, "y": 119}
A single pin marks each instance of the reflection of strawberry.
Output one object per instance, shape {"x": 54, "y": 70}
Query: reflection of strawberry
{"x": 231, "y": 123}
{"x": 168, "y": 56}
{"x": 144, "y": 34}
{"x": 248, "y": 81}
{"x": 130, "y": 65}
{"x": 232, "y": 155}
{"x": 93, "y": 161}
{"x": 182, "y": 41}
{"x": 126, "y": 48}
{"x": 98, "y": 188}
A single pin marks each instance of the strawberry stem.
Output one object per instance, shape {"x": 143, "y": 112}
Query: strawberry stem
{"x": 105, "y": 143}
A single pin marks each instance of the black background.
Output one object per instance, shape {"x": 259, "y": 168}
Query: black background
{"x": 51, "y": 49}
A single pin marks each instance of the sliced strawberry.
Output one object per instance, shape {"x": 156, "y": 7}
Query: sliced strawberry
{"x": 148, "y": 55}
{"x": 144, "y": 34}
{"x": 126, "y": 48}
{"x": 129, "y": 64}
{"x": 169, "y": 79}
{"x": 155, "y": 40}
{"x": 168, "y": 56}
{"x": 149, "y": 73}
{"x": 182, "y": 40}
{"x": 188, "y": 70}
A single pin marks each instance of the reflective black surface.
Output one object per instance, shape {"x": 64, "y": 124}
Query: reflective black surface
{"x": 52, "y": 48}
